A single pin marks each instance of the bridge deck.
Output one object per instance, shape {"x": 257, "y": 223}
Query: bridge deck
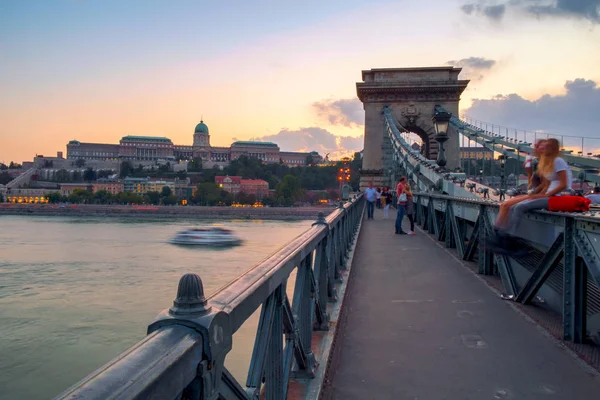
{"x": 418, "y": 324}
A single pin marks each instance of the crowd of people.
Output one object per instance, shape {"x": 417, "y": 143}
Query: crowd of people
{"x": 382, "y": 198}
{"x": 548, "y": 175}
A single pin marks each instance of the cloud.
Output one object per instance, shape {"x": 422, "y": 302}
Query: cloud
{"x": 586, "y": 9}
{"x": 581, "y": 9}
{"x": 473, "y": 66}
{"x": 346, "y": 112}
{"x": 494, "y": 12}
{"x": 574, "y": 113}
{"x": 317, "y": 139}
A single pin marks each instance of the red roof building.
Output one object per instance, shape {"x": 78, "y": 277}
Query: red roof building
{"x": 235, "y": 184}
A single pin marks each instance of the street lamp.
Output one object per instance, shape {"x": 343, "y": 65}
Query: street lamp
{"x": 440, "y": 121}
{"x": 502, "y": 159}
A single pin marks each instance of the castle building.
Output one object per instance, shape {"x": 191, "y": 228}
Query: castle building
{"x": 155, "y": 148}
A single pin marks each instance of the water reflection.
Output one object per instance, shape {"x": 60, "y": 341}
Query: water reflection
{"x": 75, "y": 292}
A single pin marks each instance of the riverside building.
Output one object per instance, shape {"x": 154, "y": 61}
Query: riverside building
{"x": 161, "y": 149}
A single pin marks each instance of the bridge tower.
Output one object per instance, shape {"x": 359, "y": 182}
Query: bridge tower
{"x": 412, "y": 94}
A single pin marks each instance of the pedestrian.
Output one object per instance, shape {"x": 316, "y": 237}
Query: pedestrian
{"x": 402, "y": 200}
{"x": 386, "y": 199}
{"x": 371, "y": 195}
{"x": 410, "y": 209}
{"x": 378, "y": 195}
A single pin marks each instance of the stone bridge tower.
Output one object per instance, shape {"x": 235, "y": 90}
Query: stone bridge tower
{"x": 412, "y": 94}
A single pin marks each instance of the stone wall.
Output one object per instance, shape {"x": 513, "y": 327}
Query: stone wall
{"x": 170, "y": 212}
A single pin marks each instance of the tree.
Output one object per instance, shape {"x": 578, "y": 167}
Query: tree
{"x": 3, "y": 166}
{"x": 310, "y": 160}
{"x": 169, "y": 200}
{"x": 80, "y": 163}
{"x": 166, "y": 191}
{"x": 153, "y": 197}
{"x": 195, "y": 165}
{"x": 125, "y": 169}
{"x": 207, "y": 194}
{"x": 5, "y": 177}
{"x": 54, "y": 197}
{"x": 14, "y": 165}
{"x": 289, "y": 190}
{"x": 103, "y": 197}
{"x": 80, "y": 196}
{"x": 89, "y": 174}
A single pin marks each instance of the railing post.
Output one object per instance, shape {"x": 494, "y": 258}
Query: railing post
{"x": 191, "y": 309}
{"x": 485, "y": 259}
{"x": 574, "y": 288}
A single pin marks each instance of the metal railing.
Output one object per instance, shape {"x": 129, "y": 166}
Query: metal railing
{"x": 563, "y": 262}
{"x": 183, "y": 356}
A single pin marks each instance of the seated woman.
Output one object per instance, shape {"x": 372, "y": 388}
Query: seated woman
{"x": 556, "y": 177}
{"x": 534, "y": 181}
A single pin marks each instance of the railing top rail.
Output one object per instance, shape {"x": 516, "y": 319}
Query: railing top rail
{"x": 241, "y": 297}
{"x": 588, "y": 217}
{"x": 149, "y": 369}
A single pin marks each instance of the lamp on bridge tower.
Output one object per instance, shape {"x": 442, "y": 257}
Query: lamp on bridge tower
{"x": 440, "y": 122}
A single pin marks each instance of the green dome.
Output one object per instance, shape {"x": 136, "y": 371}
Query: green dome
{"x": 201, "y": 128}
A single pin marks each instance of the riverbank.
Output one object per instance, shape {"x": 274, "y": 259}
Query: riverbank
{"x": 187, "y": 212}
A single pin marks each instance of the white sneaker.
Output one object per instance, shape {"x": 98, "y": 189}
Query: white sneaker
{"x": 411, "y": 233}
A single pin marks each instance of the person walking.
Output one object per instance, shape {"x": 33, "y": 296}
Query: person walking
{"x": 371, "y": 195}
{"x": 378, "y": 196}
{"x": 410, "y": 209}
{"x": 386, "y": 200}
{"x": 402, "y": 199}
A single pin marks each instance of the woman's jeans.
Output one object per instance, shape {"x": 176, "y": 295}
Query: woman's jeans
{"x": 386, "y": 210}
{"x": 517, "y": 213}
{"x": 400, "y": 217}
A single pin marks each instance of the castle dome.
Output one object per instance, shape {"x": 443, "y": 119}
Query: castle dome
{"x": 201, "y": 128}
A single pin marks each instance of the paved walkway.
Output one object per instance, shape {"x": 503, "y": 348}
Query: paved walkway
{"x": 419, "y": 325}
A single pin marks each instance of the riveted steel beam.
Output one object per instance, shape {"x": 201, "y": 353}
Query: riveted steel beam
{"x": 542, "y": 272}
{"x": 473, "y": 242}
{"x": 589, "y": 254}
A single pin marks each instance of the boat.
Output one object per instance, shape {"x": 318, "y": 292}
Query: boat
{"x": 210, "y": 236}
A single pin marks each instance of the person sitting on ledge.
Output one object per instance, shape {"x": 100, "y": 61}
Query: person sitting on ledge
{"x": 556, "y": 177}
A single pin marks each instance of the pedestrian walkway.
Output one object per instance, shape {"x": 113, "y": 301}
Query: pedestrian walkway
{"x": 418, "y": 324}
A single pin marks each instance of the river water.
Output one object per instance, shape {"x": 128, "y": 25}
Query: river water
{"x": 76, "y": 292}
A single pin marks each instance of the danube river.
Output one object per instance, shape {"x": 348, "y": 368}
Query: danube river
{"x": 76, "y": 292}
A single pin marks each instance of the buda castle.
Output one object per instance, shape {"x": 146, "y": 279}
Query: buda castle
{"x": 146, "y": 149}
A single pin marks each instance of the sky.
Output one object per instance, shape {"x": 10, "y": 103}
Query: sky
{"x": 284, "y": 71}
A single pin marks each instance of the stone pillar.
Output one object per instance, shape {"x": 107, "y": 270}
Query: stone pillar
{"x": 412, "y": 94}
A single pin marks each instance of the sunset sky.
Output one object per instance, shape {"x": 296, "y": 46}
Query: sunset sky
{"x": 282, "y": 70}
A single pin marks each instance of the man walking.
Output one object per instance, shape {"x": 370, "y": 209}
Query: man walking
{"x": 371, "y": 195}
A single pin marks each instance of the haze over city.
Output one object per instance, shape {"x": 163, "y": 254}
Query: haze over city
{"x": 280, "y": 71}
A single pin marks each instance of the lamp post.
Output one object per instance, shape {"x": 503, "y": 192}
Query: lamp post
{"x": 502, "y": 159}
{"x": 440, "y": 121}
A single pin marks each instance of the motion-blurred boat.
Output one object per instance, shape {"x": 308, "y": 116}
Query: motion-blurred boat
{"x": 210, "y": 236}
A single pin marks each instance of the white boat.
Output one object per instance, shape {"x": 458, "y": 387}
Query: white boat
{"x": 210, "y": 236}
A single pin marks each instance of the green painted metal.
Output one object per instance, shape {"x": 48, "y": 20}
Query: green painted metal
{"x": 184, "y": 354}
{"x": 575, "y": 244}
{"x": 543, "y": 271}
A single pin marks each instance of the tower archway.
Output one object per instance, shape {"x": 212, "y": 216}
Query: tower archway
{"x": 411, "y": 94}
